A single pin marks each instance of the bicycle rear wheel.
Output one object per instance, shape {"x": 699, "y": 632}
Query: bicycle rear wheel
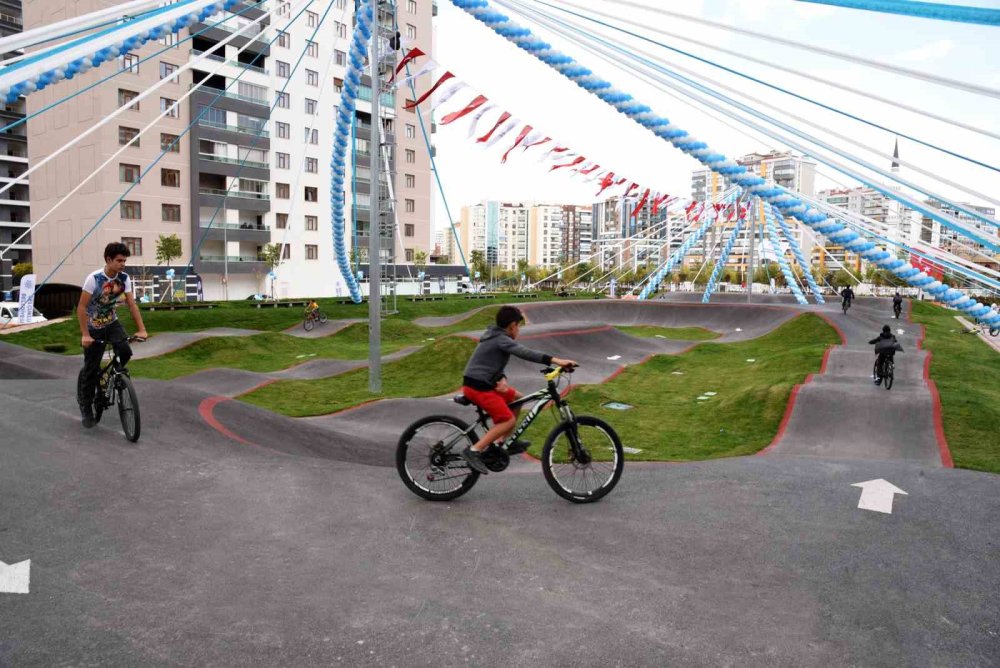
{"x": 128, "y": 407}
{"x": 589, "y": 479}
{"x": 888, "y": 368}
{"x": 428, "y": 458}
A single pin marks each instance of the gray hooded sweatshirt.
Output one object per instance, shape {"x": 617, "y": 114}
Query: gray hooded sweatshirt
{"x": 488, "y": 361}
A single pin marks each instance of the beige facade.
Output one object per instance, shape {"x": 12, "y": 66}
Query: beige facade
{"x": 142, "y": 216}
{"x": 546, "y": 233}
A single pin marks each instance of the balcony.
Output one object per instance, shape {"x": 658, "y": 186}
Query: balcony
{"x": 235, "y": 63}
{"x": 233, "y": 161}
{"x": 231, "y": 258}
{"x": 251, "y": 227}
{"x": 232, "y": 193}
{"x": 264, "y": 134}
{"x": 234, "y": 96}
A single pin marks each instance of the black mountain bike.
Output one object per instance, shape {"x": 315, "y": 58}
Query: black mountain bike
{"x": 114, "y": 387}
{"x": 582, "y": 459}
{"x": 884, "y": 368}
{"x": 897, "y": 309}
{"x": 845, "y": 304}
{"x": 311, "y": 318}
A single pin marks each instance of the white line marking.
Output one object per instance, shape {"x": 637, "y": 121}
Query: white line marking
{"x": 877, "y": 495}
{"x": 14, "y": 579}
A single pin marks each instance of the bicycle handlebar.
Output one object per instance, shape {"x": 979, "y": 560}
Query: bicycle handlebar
{"x": 129, "y": 339}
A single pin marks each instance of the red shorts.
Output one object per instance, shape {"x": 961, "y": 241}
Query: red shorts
{"x": 493, "y": 402}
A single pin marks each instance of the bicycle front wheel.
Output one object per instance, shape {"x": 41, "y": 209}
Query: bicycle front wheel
{"x": 586, "y": 475}
{"x": 322, "y": 318}
{"x": 428, "y": 458}
{"x": 308, "y": 324}
{"x": 128, "y": 408}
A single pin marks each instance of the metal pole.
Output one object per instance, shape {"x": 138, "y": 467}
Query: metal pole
{"x": 375, "y": 223}
{"x": 225, "y": 259}
{"x": 751, "y": 232}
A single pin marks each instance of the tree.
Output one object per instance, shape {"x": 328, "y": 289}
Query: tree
{"x": 420, "y": 260}
{"x": 167, "y": 248}
{"x": 705, "y": 273}
{"x": 477, "y": 262}
{"x": 20, "y": 270}
{"x": 842, "y": 278}
{"x": 270, "y": 255}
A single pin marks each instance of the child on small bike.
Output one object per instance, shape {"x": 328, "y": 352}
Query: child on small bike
{"x": 485, "y": 384}
{"x": 885, "y": 346}
{"x": 312, "y": 311}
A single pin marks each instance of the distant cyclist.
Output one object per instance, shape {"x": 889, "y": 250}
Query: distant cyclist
{"x": 848, "y": 296}
{"x": 897, "y": 304}
{"x": 312, "y": 311}
{"x": 885, "y": 346}
{"x": 96, "y": 313}
{"x": 485, "y": 384}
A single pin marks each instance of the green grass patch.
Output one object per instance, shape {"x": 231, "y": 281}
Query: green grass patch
{"x": 965, "y": 370}
{"x": 669, "y": 423}
{"x": 675, "y": 333}
{"x": 273, "y": 351}
{"x": 432, "y": 371}
{"x": 244, "y": 315}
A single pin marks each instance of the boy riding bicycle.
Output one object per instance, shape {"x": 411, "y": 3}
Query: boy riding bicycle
{"x": 485, "y": 384}
{"x": 885, "y": 346}
{"x": 96, "y": 313}
{"x": 312, "y": 311}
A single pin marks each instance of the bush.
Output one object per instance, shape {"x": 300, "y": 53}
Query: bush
{"x": 20, "y": 270}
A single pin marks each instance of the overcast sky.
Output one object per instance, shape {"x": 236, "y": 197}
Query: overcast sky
{"x": 541, "y": 97}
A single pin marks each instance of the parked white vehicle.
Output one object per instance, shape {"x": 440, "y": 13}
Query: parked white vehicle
{"x": 8, "y": 312}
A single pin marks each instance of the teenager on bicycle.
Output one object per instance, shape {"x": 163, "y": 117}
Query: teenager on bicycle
{"x": 485, "y": 384}
{"x": 96, "y": 313}
{"x": 897, "y": 304}
{"x": 885, "y": 346}
{"x": 848, "y": 294}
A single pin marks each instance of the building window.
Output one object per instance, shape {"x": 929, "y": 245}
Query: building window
{"x": 130, "y": 62}
{"x": 410, "y": 205}
{"x": 312, "y": 165}
{"x": 411, "y": 156}
{"x": 170, "y": 143}
{"x": 286, "y": 252}
{"x": 411, "y": 181}
{"x": 281, "y": 190}
{"x": 126, "y": 135}
{"x": 411, "y": 131}
{"x": 312, "y": 194}
{"x": 312, "y": 223}
{"x": 312, "y": 18}
{"x": 252, "y": 92}
{"x": 283, "y": 69}
{"x": 411, "y": 6}
{"x": 170, "y": 178}
{"x": 310, "y": 107}
{"x": 170, "y": 39}
{"x": 134, "y": 245}
{"x": 167, "y": 70}
{"x": 128, "y": 173}
{"x": 281, "y": 220}
{"x": 409, "y": 255}
{"x": 284, "y": 130}
{"x": 312, "y": 252}
{"x": 341, "y": 29}
{"x": 130, "y": 210}
{"x": 284, "y": 40}
{"x": 338, "y": 85}
{"x": 282, "y": 160}
{"x": 312, "y": 78}
{"x": 127, "y": 96}
{"x": 311, "y": 136}
{"x": 410, "y": 229}
{"x": 171, "y": 212}
{"x": 312, "y": 49}
{"x": 170, "y": 107}
{"x": 340, "y": 57}
{"x": 411, "y": 31}
{"x": 212, "y": 115}
{"x": 284, "y": 100}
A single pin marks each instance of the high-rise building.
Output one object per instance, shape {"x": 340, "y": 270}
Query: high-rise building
{"x": 244, "y": 176}
{"x": 577, "y": 232}
{"x": 793, "y": 172}
{"x": 934, "y": 233}
{"x": 896, "y": 222}
{"x": 622, "y": 239}
{"x": 546, "y": 246}
{"x": 15, "y": 210}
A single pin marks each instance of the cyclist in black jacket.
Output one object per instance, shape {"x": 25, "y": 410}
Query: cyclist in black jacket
{"x": 885, "y": 346}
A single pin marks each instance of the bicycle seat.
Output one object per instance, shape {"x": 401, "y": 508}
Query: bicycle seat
{"x": 461, "y": 400}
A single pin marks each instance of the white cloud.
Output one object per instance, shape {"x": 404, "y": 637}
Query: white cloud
{"x": 928, "y": 52}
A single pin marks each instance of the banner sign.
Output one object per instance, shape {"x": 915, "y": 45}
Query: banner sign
{"x": 27, "y": 300}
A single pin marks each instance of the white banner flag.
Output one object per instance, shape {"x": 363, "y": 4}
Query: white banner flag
{"x": 27, "y": 300}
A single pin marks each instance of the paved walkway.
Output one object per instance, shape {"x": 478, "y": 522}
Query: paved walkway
{"x": 992, "y": 341}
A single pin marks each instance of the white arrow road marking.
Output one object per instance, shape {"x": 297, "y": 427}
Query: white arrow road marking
{"x": 631, "y": 451}
{"x": 877, "y": 495}
{"x": 14, "y": 578}
{"x": 739, "y": 329}
{"x": 709, "y": 394}
{"x": 899, "y": 331}
{"x": 615, "y": 357}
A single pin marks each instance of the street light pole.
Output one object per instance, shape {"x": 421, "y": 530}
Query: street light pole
{"x": 375, "y": 222}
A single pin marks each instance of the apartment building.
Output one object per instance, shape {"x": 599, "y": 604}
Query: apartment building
{"x": 546, "y": 233}
{"x": 934, "y": 233}
{"x": 621, "y": 239}
{"x": 793, "y": 172}
{"x": 896, "y": 222}
{"x": 577, "y": 232}
{"x": 245, "y": 175}
{"x": 15, "y": 211}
